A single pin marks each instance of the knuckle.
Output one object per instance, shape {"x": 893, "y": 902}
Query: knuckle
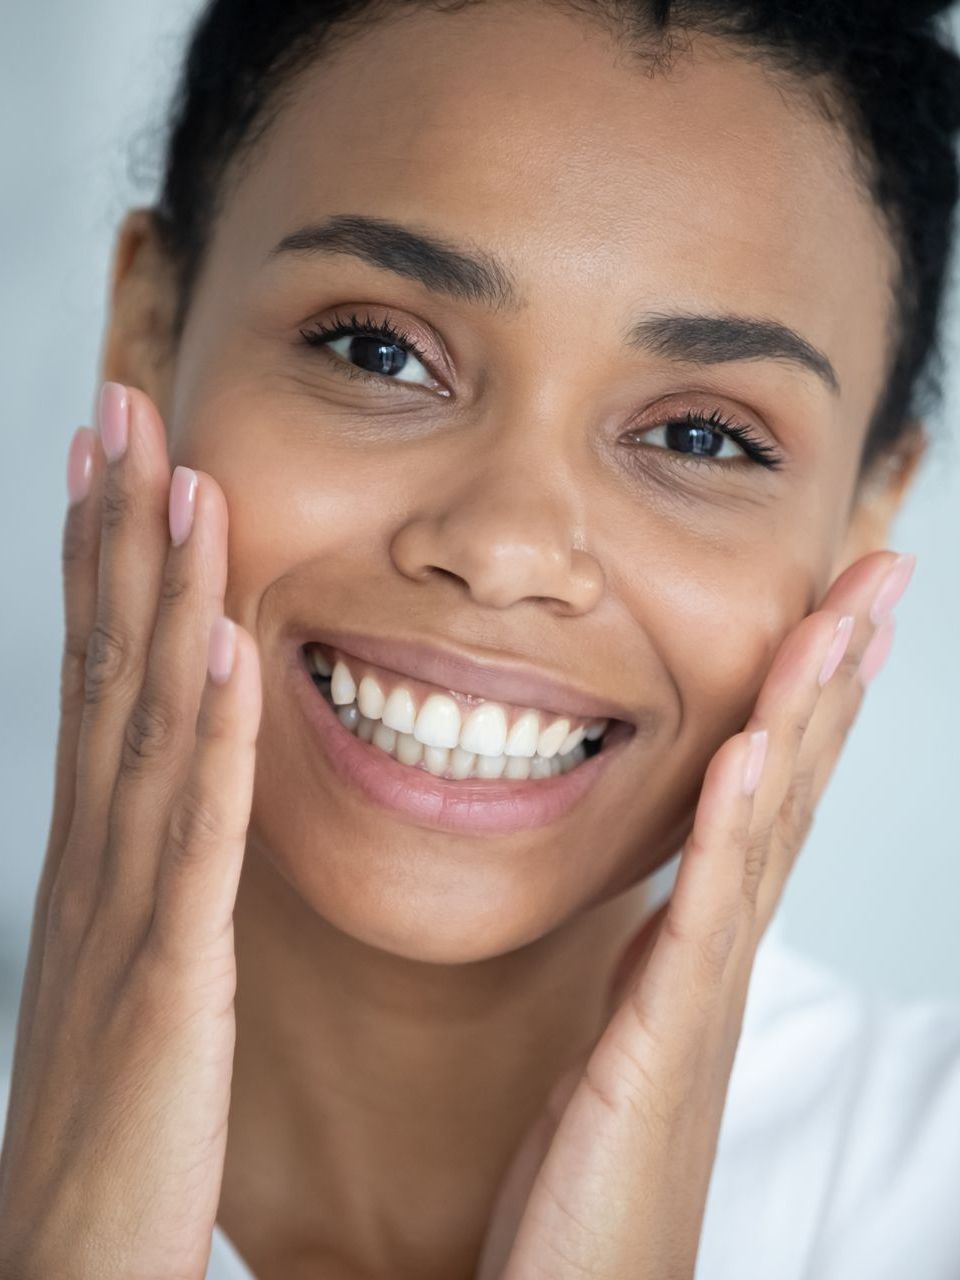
{"x": 77, "y": 544}
{"x": 67, "y": 915}
{"x": 150, "y": 731}
{"x": 175, "y": 587}
{"x": 108, "y": 656}
{"x": 195, "y": 827}
{"x": 115, "y": 507}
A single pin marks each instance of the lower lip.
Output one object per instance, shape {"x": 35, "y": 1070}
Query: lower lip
{"x": 492, "y": 807}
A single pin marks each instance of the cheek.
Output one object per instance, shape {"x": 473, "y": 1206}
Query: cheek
{"x": 720, "y": 631}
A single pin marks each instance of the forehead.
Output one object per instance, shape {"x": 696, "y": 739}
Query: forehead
{"x": 529, "y": 133}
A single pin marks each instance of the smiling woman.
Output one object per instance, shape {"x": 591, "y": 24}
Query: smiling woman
{"x": 558, "y": 369}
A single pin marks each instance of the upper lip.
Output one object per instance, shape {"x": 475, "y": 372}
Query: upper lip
{"x": 482, "y": 676}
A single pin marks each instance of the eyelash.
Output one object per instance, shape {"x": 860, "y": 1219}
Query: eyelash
{"x": 321, "y": 334}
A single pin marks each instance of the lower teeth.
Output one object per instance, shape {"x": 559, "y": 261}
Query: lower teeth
{"x": 451, "y": 763}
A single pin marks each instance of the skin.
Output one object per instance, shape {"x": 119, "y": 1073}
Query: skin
{"x": 406, "y": 996}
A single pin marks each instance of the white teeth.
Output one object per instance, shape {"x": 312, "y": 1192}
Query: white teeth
{"x": 342, "y": 687}
{"x": 595, "y": 729}
{"x": 550, "y": 739}
{"x": 384, "y": 738}
{"x": 365, "y": 729}
{"x": 409, "y": 750}
{"x": 398, "y": 712}
{"x": 461, "y": 762}
{"x": 485, "y": 730}
{"x": 370, "y": 699}
{"x": 523, "y": 737}
{"x": 436, "y": 759}
{"x": 517, "y": 767}
{"x": 319, "y": 663}
{"x": 490, "y": 766}
{"x": 349, "y": 716}
{"x": 573, "y": 739}
{"x": 438, "y": 724}
{"x": 540, "y": 768}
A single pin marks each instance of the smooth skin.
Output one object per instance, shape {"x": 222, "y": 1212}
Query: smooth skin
{"x": 404, "y": 997}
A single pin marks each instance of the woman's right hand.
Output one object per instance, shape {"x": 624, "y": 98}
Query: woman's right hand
{"x": 113, "y": 1154}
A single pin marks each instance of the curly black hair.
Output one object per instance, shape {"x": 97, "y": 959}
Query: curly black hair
{"x": 885, "y": 70}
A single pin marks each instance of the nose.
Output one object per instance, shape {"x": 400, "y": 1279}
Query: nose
{"x": 505, "y": 538}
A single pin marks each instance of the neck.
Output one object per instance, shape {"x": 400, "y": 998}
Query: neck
{"x": 371, "y": 1089}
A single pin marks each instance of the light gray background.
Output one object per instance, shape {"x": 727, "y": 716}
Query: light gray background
{"x": 876, "y": 891}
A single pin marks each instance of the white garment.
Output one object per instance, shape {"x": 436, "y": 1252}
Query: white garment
{"x": 839, "y": 1151}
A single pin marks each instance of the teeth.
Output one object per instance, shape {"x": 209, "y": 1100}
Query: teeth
{"x": 342, "y": 688}
{"x": 384, "y": 738}
{"x": 370, "y": 699}
{"x": 438, "y": 724}
{"x": 349, "y": 716}
{"x": 540, "y": 768}
{"x": 595, "y": 729}
{"x": 461, "y": 763}
{"x": 490, "y": 766}
{"x": 523, "y": 737}
{"x": 437, "y": 759}
{"x": 485, "y": 731}
{"x": 573, "y": 739}
{"x": 399, "y": 711}
{"x": 319, "y": 663}
{"x": 365, "y": 729}
{"x": 552, "y": 737}
{"x": 517, "y": 767}
{"x": 409, "y": 750}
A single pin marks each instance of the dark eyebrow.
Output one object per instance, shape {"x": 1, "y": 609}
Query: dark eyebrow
{"x": 470, "y": 275}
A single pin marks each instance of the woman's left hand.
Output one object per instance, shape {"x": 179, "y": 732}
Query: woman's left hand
{"x": 612, "y": 1181}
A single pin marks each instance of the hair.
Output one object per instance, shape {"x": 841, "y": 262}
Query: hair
{"x": 883, "y": 70}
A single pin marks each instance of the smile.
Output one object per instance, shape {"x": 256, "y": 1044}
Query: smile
{"x": 453, "y": 760}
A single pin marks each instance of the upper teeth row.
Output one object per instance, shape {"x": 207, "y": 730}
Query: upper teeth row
{"x": 438, "y": 722}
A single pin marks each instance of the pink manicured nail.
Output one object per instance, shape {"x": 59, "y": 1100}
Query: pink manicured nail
{"x": 892, "y": 587}
{"x": 183, "y": 492}
{"x": 838, "y": 647}
{"x": 223, "y": 643}
{"x": 755, "y": 759}
{"x": 80, "y": 464}
{"x": 114, "y": 419}
{"x": 877, "y": 651}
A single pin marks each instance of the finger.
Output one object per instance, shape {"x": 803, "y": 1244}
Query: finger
{"x": 706, "y": 913}
{"x": 786, "y": 705}
{"x": 160, "y": 732}
{"x": 199, "y": 869}
{"x": 79, "y": 551}
{"x": 133, "y": 541}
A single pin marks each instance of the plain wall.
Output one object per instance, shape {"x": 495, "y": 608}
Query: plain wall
{"x": 876, "y": 889}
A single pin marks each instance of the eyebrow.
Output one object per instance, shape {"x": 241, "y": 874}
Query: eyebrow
{"x": 474, "y": 276}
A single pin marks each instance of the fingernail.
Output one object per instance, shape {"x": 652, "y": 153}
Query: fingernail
{"x": 838, "y": 647}
{"x": 183, "y": 491}
{"x": 221, "y": 649}
{"x": 80, "y": 465}
{"x": 755, "y": 758}
{"x": 877, "y": 651}
{"x": 113, "y": 419}
{"x": 892, "y": 588}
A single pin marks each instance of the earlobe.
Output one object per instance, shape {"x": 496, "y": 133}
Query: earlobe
{"x": 880, "y": 495}
{"x": 138, "y": 341}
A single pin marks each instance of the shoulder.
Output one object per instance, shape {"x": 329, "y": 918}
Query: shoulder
{"x": 839, "y": 1151}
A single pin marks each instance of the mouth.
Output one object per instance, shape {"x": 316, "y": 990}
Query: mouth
{"x": 450, "y": 734}
{"x": 451, "y": 759}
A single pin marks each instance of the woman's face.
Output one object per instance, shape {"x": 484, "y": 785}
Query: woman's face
{"x": 512, "y": 497}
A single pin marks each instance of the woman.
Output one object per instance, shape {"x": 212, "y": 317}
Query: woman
{"x": 344, "y": 955}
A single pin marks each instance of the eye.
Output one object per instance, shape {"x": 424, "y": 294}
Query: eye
{"x": 370, "y": 349}
{"x": 696, "y": 437}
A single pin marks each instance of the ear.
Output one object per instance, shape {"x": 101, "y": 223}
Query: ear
{"x": 879, "y": 496}
{"x": 139, "y": 343}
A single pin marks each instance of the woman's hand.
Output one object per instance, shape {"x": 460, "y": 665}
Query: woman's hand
{"x": 612, "y": 1181}
{"x": 113, "y": 1156}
